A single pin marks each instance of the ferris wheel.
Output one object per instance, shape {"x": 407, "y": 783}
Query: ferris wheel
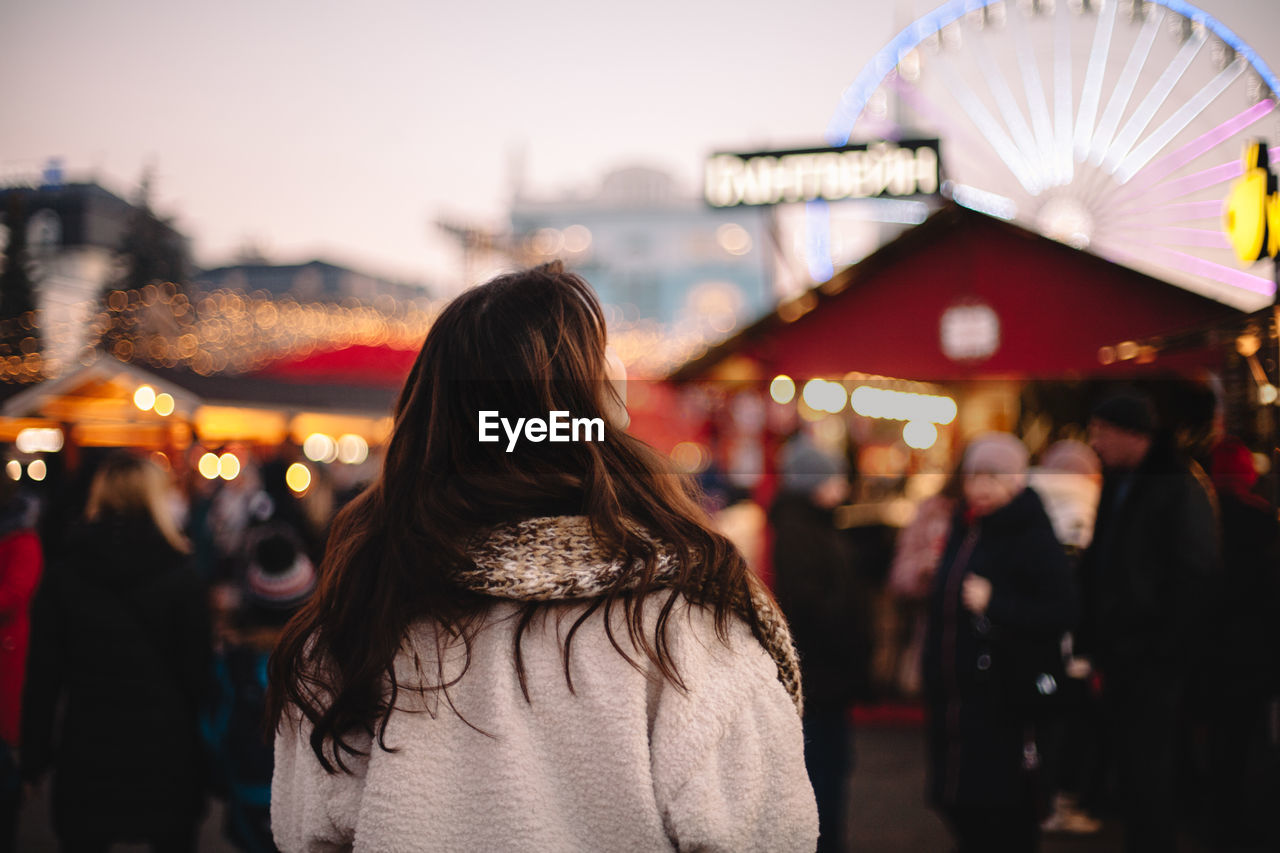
{"x": 1114, "y": 126}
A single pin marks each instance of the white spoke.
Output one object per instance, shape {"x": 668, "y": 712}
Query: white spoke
{"x": 1036, "y": 102}
{"x": 1155, "y": 98}
{"x": 1093, "y": 79}
{"x": 1124, "y": 86}
{"x": 1009, "y": 110}
{"x": 988, "y": 126}
{"x": 1174, "y": 125}
{"x": 1062, "y": 94}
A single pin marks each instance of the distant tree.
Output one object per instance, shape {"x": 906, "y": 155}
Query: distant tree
{"x": 151, "y": 251}
{"x": 17, "y": 291}
{"x": 151, "y": 254}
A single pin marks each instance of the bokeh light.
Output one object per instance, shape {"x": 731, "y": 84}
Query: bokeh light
{"x": 298, "y": 477}
{"x": 144, "y": 398}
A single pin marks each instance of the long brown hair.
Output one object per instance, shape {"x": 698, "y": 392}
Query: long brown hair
{"x": 524, "y": 344}
{"x": 131, "y": 487}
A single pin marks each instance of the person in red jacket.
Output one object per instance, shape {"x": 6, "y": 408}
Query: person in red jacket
{"x": 20, "y": 564}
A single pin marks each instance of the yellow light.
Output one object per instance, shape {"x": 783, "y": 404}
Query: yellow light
{"x": 901, "y": 406}
{"x": 1267, "y": 394}
{"x": 298, "y": 477}
{"x": 577, "y": 238}
{"x": 164, "y": 404}
{"x": 37, "y": 470}
{"x": 39, "y": 440}
{"x": 823, "y": 396}
{"x": 782, "y": 389}
{"x": 690, "y": 457}
{"x": 144, "y": 398}
{"x": 208, "y": 466}
{"x": 352, "y": 449}
{"x": 919, "y": 434}
{"x": 228, "y": 466}
{"x": 733, "y": 238}
{"x": 319, "y": 447}
{"x": 13, "y": 469}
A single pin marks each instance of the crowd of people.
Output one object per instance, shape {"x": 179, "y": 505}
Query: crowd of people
{"x": 560, "y": 648}
{"x": 134, "y": 651}
{"x": 1096, "y": 635}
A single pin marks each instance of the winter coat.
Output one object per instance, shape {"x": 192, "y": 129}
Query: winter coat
{"x": 816, "y": 586}
{"x": 972, "y": 666}
{"x": 20, "y": 565}
{"x": 120, "y": 631}
{"x": 1148, "y": 575}
{"x": 623, "y": 761}
{"x": 1246, "y": 643}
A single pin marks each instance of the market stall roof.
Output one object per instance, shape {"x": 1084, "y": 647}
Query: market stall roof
{"x": 1052, "y": 308}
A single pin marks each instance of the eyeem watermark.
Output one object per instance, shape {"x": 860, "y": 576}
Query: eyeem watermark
{"x": 558, "y": 426}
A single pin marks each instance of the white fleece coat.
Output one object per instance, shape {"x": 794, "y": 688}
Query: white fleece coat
{"x": 626, "y": 762}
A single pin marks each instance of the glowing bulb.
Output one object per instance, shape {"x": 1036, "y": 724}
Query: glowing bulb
{"x": 298, "y": 477}
{"x": 228, "y": 466}
{"x": 782, "y": 389}
{"x": 352, "y": 449}
{"x": 1267, "y": 394}
{"x": 919, "y": 434}
{"x": 208, "y": 466}
{"x": 144, "y": 398}
{"x": 814, "y": 394}
{"x": 319, "y": 447}
{"x": 14, "y": 469}
{"x": 164, "y": 404}
{"x": 37, "y": 470}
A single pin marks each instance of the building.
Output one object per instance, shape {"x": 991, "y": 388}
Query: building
{"x": 74, "y": 232}
{"x": 653, "y": 252}
{"x": 313, "y": 281}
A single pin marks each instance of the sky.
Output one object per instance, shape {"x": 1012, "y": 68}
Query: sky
{"x": 345, "y": 130}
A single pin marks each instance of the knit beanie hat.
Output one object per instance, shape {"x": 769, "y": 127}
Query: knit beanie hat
{"x": 1128, "y": 410}
{"x": 280, "y": 576}
{"x": 996, "y": 453}
{"x": 805, "y": 466}
{"x": 1071, "y": 457}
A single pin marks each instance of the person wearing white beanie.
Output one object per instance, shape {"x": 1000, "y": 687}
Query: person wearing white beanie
{"x": 1002, "y": 597}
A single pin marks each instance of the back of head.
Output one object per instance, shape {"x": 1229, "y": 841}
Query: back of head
{"x": 128, "y": 487}
{"x": 996, "y": 453}
{"x": 523, "y": 345}
{"x": 805, "y": 466}
{"x": 1069, "y": 456}
{"x": 1129, "y": 410}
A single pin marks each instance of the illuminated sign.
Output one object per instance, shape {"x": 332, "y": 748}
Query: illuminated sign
{"x": 873, "y": 170}
{"x": 1251, "y": 217}
{"x": 969, "y": 331}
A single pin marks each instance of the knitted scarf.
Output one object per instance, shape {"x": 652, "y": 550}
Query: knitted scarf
{"x": 555, "y": 558}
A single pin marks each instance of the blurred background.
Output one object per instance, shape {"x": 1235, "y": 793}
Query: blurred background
{"x": 883, "y": 227}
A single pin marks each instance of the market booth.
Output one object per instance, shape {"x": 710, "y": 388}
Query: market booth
{"x": 944, "y": 332}
{"x": 970, "y": 307}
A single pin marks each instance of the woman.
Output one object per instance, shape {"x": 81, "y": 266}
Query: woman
{"x": 532, "y": 645}
{"x": 120, "y": 630}
{"x": 1002, "y": 597}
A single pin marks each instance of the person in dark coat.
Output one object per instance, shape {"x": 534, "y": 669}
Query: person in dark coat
{"x": 1244, "y": 676}
{"x": 120, "y": 633}
{"x": 816, "y": 588}
{"x": 280, "y": 579}
{"x": 1001, "y": 599}
{"x": 1147, "y": 578}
